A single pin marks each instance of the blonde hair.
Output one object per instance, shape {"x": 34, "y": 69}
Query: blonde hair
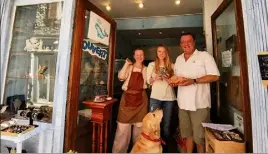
{"x": 167, "y": 62}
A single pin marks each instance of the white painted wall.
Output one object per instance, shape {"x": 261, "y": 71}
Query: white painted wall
{"x": 208, "y": 9}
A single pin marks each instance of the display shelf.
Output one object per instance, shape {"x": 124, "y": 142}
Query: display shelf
{"x": 18, "y": 140}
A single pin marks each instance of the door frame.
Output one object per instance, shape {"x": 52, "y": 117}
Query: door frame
{"x": 244, "y": 81}
{"x": 75, "y": 68}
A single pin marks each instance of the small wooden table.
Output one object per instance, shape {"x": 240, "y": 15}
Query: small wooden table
{"x": 101, "y": 114}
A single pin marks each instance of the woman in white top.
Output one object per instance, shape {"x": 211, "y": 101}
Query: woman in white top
{"x": 162, "y": 94}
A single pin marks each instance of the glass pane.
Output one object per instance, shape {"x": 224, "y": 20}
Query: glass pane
{"x": 33, "y": 57}
{"x": 94, "y": 67}
{"x": 228, "y": 62}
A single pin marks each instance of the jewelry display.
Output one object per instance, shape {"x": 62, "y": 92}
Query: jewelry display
{"x": 232, "y": 135}
{"x": 100, "y": 91}
{"x": 15, "y": 130}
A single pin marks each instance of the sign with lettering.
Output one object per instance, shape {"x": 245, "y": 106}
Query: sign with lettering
{"x": 98, "y": 29}
{"x": 263, "y": 63}
{"x": 94, "y": 50}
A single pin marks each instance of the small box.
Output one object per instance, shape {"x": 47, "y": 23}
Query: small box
{"x": 213, "y": 145}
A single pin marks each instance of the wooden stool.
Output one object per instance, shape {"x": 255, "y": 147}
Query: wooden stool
{"x": 101, "y": 114}
{"x": 215, "y": 146}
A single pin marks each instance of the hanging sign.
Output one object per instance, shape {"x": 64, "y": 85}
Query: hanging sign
{"x": 94, "y": 50}
{"x": 227, "y": 58}
{"x": 263, "y": 64}
{"x": 99, "y": 29}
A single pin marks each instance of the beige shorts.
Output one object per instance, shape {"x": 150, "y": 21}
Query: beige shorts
{"x": 190, "y": 124}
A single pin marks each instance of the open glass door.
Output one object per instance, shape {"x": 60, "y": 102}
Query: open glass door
{"x": 91, "y": 66}
{"x": 229, "y": 50}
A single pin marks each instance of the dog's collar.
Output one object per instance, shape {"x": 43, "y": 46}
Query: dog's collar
{"x": 153, "y": 140}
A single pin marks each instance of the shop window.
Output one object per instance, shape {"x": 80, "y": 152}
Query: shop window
{"x": 31, "y": 72}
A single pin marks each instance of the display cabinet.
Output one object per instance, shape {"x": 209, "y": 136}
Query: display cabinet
{"x": 31, "y": 69}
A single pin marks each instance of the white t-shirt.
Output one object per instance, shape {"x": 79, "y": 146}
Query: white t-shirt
{"x": 161, "y": 90}
{"x": 195, "y": 96}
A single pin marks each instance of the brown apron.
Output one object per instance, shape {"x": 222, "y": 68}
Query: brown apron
{"x": 134, "y": 102}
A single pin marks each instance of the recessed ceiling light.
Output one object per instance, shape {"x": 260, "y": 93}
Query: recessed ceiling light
{"x": 108, "y": 8}
{"x": 160, "y": 32}
{"x": 140, "y": 5}
{"x": 177, "y": 2}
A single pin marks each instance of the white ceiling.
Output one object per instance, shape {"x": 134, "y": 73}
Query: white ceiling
{"x": 130, "y": 9}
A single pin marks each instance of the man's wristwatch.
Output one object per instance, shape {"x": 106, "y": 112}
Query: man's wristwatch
{"x": 195, "y": 81}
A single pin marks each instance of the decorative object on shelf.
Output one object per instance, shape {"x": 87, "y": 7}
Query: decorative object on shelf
{"x": 17, "y": 103}
{"x": 99, "y": 99}
{"x": 41, "y": 71}
{"x": 47, "y": 111}
{"x": 45, "y": 26}
{"x": 33, "y": 44}
{"x": 100, "y": 91}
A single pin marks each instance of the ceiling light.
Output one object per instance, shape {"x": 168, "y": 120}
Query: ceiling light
{"x": 140, "y": 5}
{"x": 108, "y": 8}
{"x": 160, "y": 32}
{"x": 177, "y": 2}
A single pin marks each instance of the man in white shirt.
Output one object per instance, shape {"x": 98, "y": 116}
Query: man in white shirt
{"x": 195, "y": 70}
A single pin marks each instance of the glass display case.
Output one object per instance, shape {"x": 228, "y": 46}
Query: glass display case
{"x": 31, "y": 67}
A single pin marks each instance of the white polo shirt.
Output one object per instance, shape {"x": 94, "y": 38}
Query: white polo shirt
{"x": 195, "y": 96}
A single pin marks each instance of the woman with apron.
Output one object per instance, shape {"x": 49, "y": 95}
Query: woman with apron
{"x": 134, "y": 102}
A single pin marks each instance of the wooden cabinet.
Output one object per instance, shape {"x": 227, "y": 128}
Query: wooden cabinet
{"x": 100, "y": 118}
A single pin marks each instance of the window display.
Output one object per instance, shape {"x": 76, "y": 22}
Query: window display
{"x": 33, "y": 57}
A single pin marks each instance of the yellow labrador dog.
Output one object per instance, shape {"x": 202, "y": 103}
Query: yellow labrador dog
{"x": 150, "y": 140}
